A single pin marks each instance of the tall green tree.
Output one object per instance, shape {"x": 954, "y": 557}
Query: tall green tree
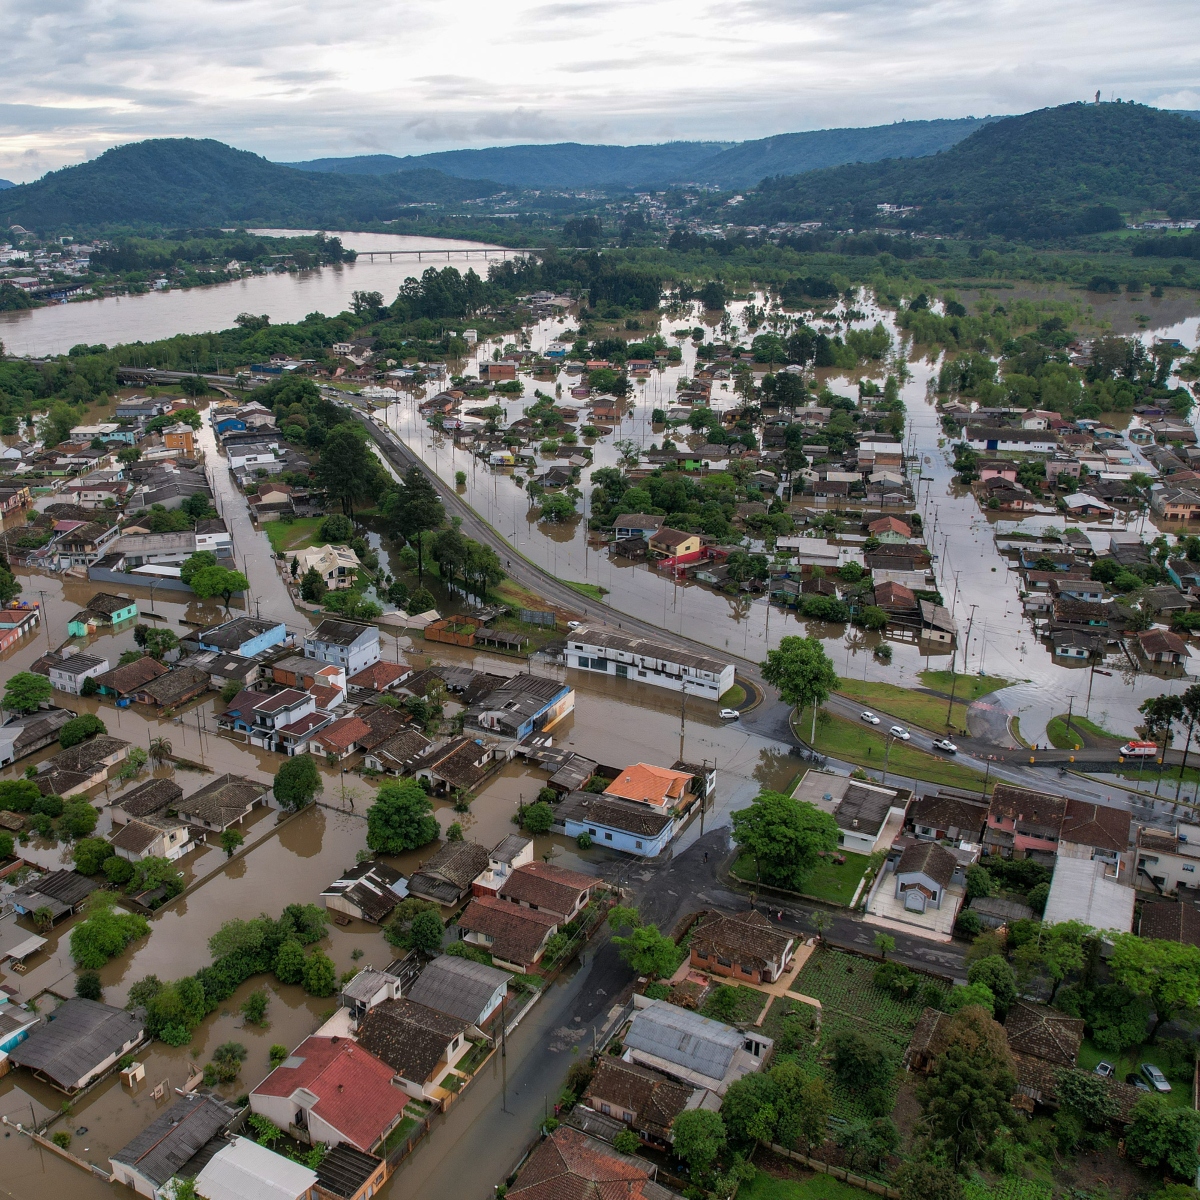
{"x": 1167, "y": 972}
{"x": 347, "y": 469}
{"x": 1161, "y": 713}
{"x": 1163, "y": 1135}
{"x": 1191, "y": 713}
{"x": 219, "y": 581}
{"x": 802, "y": 672}
{"x": 413, "y": 510}
{"x": 698, "y": 1138}
{"x": 297, "y": 781}
{"x": 401, "y": 818}
{"x": 784, "y": 836}
{"x": 25, "y": 691}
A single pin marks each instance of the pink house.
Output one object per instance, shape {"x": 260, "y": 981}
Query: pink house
{"x": 1024, "y": 824}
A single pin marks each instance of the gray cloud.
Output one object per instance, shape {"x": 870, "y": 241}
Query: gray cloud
{"x": 307, "y": 79}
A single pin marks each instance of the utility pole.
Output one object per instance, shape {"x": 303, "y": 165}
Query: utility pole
{"x": 682, "y": 720}
{"x": 970, "y": 623}
{"x": 1070, "y": 710}
{"x": 46, "y": 619}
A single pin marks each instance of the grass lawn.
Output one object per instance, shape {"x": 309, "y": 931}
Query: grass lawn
{"x": 1130, "y": 1060}
{"x": 832, "y": 882}
{"x": 1075, "y": 738}
{"x": 400, "y": 1134}
{"x": 815, "y": 1187}
{"x": 907, "y": 704}
{"x": 748, "y": 1003}
{"x": 593, "y": 591}
{"x": 969, "y": 687}
{"x": 734, "y": 697}
{"x": 300, "y": 533}
{"x": 855, "y": 742}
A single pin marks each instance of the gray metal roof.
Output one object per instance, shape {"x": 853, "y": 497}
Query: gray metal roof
{"x": 457, "y": 986}
{"x": 174, "y": 1136}
{"x": 77, "y": 1037}
{"x": 684, "y": 1038}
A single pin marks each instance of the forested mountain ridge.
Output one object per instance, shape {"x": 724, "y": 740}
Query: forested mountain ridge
{"x": 1071, "y": 169}
{"x": 193, "y": 182}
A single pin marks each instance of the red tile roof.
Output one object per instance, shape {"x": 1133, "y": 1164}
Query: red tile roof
{"x": 570, "y": 1165}
{"x": 648, "y": 784}
{"x": 345, "y": 733}
{"x": 546, "y": 886}
{"x": 381, "y": 675}
{"x": 354, "y": 1089}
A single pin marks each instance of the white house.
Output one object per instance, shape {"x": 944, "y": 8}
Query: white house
{"x": 244, "y": 1170}
{"x": 923, "y": 875}
{"x": 69, "y": 674}
{"x": 349, "y": 644}
{"x": 624, "y": 656}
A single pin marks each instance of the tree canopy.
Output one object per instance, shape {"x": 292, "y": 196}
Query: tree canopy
{"x": 401, "y": 818}
{"x": 784, "y": 836}
{"x": 802, "y": 672}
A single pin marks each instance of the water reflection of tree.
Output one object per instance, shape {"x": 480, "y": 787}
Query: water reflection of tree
{"x": 774, "y": 768}
{"x": 303, "y": 835}
{"x": 740, "y": 607}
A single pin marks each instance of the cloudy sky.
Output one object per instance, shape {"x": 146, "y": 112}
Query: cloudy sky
{"x": 294, "y": 79}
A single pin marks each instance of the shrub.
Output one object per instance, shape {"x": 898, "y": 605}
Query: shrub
{"x": 79, "y": 729}
{"x": 537, "y": 818}
{"x": 627, "y": 1142}
{"x": 87, "y": 986}
{"x": 320, "y": 975}
{"x": 254, "y": 1008}
{"x": 91, "y": 854}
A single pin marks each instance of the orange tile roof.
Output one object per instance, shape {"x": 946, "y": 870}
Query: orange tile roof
{"x": 650, "y": 785}
{"x": 344, "y": 733}
{"x": 380, "y": 675}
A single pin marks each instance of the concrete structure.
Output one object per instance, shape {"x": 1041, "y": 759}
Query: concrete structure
{"x": 923, "y": 876}
{"x": 81, "y": 1041}
{"x": 461, "y": 988}
{"x": 549, "y": 889}
{"x": 624, "y": 825}
{"x": 152, "y": 1159}
{"x": 245, "y": 636}
{"x": 608, "y": 652}
{"x": 420, "y": 1044}
{"x": 68, "y": 674}
{"x": 336, "y": 565}
{"x": 1091, "y": 891}
{"x": 515, "y": 937}
{"x": 505, "y": 857}
{"x": 350, "y": 644}
{"x": 244, "y": 1170}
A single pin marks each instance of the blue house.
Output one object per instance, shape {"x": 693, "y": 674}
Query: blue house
{"x": 246, "y": 636}
{"x": 618, "y": 824}
{"x": 523, "y": 705}
{"x": 229, "y": 424}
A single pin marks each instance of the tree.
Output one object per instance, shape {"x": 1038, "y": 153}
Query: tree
{"x": 802, "y": 672}
{"x": 860, "y": 1062}
{"x": 158, "y": 643}
{"x": 289, "y": 962}
{"x": 226, "y": 1063}
{"x": 1167, "y": 972}
{"x": 6, "y": 846}
{"x": 1088, "y": 1097}
{"x": 320, "y": 975}
{"x": 79, "y": 729}
{"x": 297, "y": 781}
{"x": 698, "y": 1138}
{"x": 1163, "y": 1135}
{"x": 90, "y": 855}
{"x": 18, "y": 795}
{"x": 312, "y": 587}
{"x": 196, "y": 562}
{"x": 868, "y": 1143}
{"x": 87, "y": 986}
{"x": 966, "y": 1099}
{"x": 979, "y": 882}
{"x": 920, "y": 1180}
{"x": 426, "y": 931}
{"x": 78, "y": 818}
{"x": 105, "y": 933}
{"x": 347, "y": 469}
{"x": 1191, "y": 710}
{"x": 219, "y": 581}
{"x": 413, "y": 510}
{"x": 627, "y": 1142}
{"x": 231, "y": 839}
{"x": 784, "y": 836}
{"x": 337, "y": 527}
{"x": 537, "y": 818}
{"x": 977, "y": 995}
{"x": 25, "y": 692}
{"x": 254, "y": 1007}
{"x": 1058, "y": 949}
{"x": 995, "y": 974}
{"x": 884, "y": 943}
{"x": 401, "y": 818}
{"x": 118, "y": 871}
{"x": 160, "y": 749}
{"x": 648, "y": 951}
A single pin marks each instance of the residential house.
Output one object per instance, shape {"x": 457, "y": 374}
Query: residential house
{"x": 346, "y": 1173}
{"x": 368, "y": 890}
{"x": 338, "y": 566}
{"x": 636, "y": 525}
{"x": 270, "y": 719}
{"x": 505, "y": 857}
{"x": 625, "y": 825}
{"x": 923, "y": 876}
{"x": 156, "y": 1155}
{"x": 550, "y": 889}
{"x": 1081, "y": 505}
{"x": 1162, "y": 646}
{"x": 224, "y": 802}
{"x": 153, "y": 798}
{"x": 459, "y": 765}
{"x": 890, "y": 529}
{"x": 381, "y": 676}
{"x": 244, "y": 1170}
{"x": 646, "y": 1101}
{"x": 89, "y": 760}
{"x": 570, "y": 1164}
{"x": 1170, "y": 922}
{"x": 174, "y": 688}
{"x": 1175, "y": 504}
{"x": 461, "y": 988}
{"x": 741, "y": 946}
{"x": 447, "y": 877}
{"x": 514, "y": 936}
{"x": 1043, "y": 1043}
{"x": 420, "y": 1044}
{"x": 350, "y": 644}
{"x": 180, "y": 437}
{"x": 16, "y": 620}
{"x": 123, "y": 682}
{"x": 669, "y": 542}
{"x": 368, "y": 988}
{"x": 60, "y": 892}
{"x": 1023, "y": 823}
{"x": 395, "y": 754}
{"x": 24, "y": 733}
{"x": 81, "y": 1040}
{"x": 340, "y": 738}
{"x": 990, "y": 438}
{"x": 1166, "y": 860}
{"x": 693, "y": 1049}
{"x": 937, "y": 625}
{"x": 152, "y": 837}
{"x": 213, "y": 535}
{"x": 944, "y": 815}
{"x": 895, "y": 598}
{"x": 69, "y": 674}
{"x": 1090, "y": 890}
{"x": 1094, "y": 831}
{"x": 661, "y": 787}
{"x": 103, "y": 611}
{"x": 332, "y": 1090}
{"x": 523, "y": 705}
{"x": 867, "y": 815}
{"x": 611, "y": 652}
{"x": 246, "y": 636}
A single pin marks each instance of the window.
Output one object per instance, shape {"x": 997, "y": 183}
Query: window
{"x": 638, "y": 845}
{"x": 606, "y": 1109}
{"x": 628, "y": 1116}
{"x": 608, "y": 837}
{"x": 592, "y": 832}
{"x": 1189, "y": 867}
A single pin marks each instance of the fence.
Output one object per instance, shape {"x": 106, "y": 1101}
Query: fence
{"x": 858, "y": 1181}
{"x": 535, "y": 616}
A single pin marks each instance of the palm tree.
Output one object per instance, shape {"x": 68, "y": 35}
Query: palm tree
{"x": 160, "y": 750}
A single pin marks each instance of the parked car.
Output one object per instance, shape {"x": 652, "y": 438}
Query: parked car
{"x": 1140, "y": 749}
{"x": 869, "y": 717}
{"x": 947, "y": 745}
{"x": 1104, "y": 1070}
{"x": 729, "y": 714}
{"x": 898, "y": 731}
{"x": 574, "y": 624}
{"x": 1137, "y": 1081}
{"x": 1158, "y": 1081}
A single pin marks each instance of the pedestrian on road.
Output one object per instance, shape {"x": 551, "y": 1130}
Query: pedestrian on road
{"x": 706, "y": 856}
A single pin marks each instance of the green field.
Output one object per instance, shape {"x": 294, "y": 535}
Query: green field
{"x": 855, "y": 742}
{"x": 815, "y": 1187}
{"x": 1128, "y": 1061}
{"x": 829, "y": 881}
{"x": 969, "y": 687}
{"x": 749, "y": 1003}
{"x": 300, "y": 533}
{"x": 1062, "y": 739}
{"x": 593, "y": 591}
{"x": 905, "y": 704}
{"x": 734, "y": 698}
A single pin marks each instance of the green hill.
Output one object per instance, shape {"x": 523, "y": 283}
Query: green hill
{"x": 1054, "y": 172}
{"x": 188, "y": 182}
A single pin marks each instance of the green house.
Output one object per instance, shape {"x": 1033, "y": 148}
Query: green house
{"x": 103, "y": 609}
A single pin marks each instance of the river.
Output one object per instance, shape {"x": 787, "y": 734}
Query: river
{"x": 283, "y": 296}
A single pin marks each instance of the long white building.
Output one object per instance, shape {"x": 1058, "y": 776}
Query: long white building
{"x": 608, "y": 652}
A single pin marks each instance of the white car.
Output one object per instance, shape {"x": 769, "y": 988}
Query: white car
{"x": 869, "y": 717}
{"x": 729, "y": 714}
{"x": 574, "y": 624}
{"x": 947, "y": 745}
{"x": 898, "y": 731}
